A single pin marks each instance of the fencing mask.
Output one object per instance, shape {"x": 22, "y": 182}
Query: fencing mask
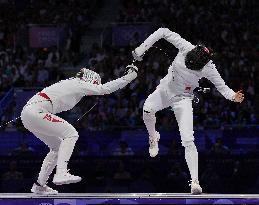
{"x": 89, "y": 76}
{"x": 198, "y": 57}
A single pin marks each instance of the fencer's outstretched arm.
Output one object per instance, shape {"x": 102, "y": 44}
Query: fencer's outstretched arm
{"x": 212, "y": 74}
{"x": 117, "y": 84}
{"x": 166, "y": 34}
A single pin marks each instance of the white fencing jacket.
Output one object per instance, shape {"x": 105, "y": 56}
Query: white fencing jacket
{"x": 180, "y": 80}
{"x": 65, "y": 94}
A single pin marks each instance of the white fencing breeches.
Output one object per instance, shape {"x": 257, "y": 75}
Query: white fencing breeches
{"x": 184, "y": 115}
{"x": 156, "y": 101}
{"x": 58, "y": 134}
{"x": 47, "y": 167}
{"x": 182, "y": 107}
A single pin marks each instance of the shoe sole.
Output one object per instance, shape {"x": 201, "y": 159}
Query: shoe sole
{"x": 153, "y": 155}
{"x": 67, "y": 182}
{"x": 43, "y": 193}
{"x": 197, "y": 192}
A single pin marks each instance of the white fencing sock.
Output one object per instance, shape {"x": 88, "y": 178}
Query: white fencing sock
{"x": 47, "y": 167}
{"x": 191, "y": 157}
{"x": 65, "y": 151}
{"x": 150, "y": 122}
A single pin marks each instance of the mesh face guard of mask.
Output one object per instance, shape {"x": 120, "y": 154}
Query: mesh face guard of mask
{"x": 90, "y": 76}
{"x": 198, "y": 57}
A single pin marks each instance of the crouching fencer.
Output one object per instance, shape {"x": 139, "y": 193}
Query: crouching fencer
{"x": 38, "y": 116}
{"x": 176, "y": 90}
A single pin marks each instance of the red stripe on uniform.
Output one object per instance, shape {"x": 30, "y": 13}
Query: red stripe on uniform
{"x": 56, "y": 120}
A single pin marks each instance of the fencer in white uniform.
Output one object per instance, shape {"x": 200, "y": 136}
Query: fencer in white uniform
{"x": 38, "y": 116}
{"x": 176, "y": 90}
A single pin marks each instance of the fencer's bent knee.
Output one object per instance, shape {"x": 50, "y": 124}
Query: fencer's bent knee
{"x": 70, "y": 132}
{"x": 71, "y": 138}
{"x": 147, "y": 108}
{"x": 148, "y": 111}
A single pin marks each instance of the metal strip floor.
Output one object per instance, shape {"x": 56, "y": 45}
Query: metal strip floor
{"x": 128, "y": 196}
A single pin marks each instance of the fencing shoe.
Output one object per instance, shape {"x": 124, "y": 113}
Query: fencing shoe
{"x": 43, "y": 190}
{"x": 65, "y": 178}
{"x": 153, "y": 144}
{"x": 195, "y": 187}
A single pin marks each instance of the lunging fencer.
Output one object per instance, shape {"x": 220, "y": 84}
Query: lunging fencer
{"x": 38, "y": 116}
{"x": 176, "y": 90}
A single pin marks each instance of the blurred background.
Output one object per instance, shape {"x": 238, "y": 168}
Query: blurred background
{"x": 44, "y": 41}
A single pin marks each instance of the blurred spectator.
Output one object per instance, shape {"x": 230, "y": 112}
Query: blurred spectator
{"x": 176, "y": 175}
{"x": 13, "y": 180}
{"x": 219, "y": 148}
{"x": 142, "y": 182}
{"x": 23, "y": 151}
{"x": 175, "y": 148}
{"x": 135, "y": 41}
{"x": 53, "y": 58}
{"x": 121, "y": 173}
{"x": 43, "y": 74}
{"x": 12, "y": 173}
{"x": 17, "y": 61}
{"x": 87, "y": 149}
{"x": 123, "y": 149}
{"x": 210, "y": 179}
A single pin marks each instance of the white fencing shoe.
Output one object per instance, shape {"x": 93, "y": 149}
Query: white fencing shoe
{"x": 196, "y": 188}
{"x": 65, "y": 178}
{"x": 153, "y": 144}
{"x": 43, "y": 190}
